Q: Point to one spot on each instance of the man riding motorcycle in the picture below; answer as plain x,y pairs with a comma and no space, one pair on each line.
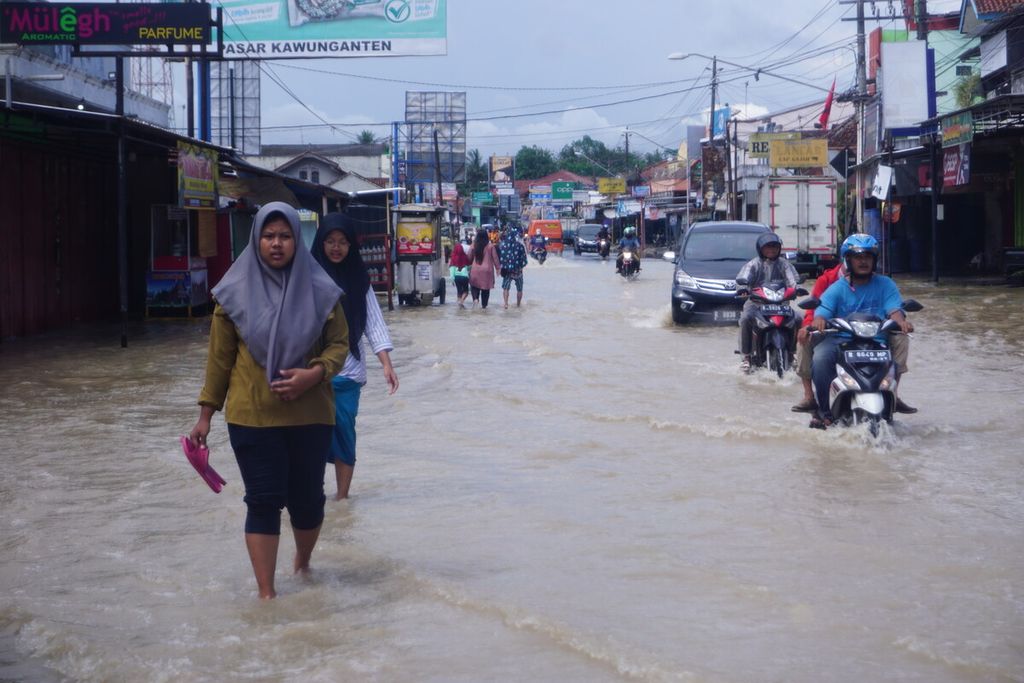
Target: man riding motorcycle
538,242
630,243
767,267
862,290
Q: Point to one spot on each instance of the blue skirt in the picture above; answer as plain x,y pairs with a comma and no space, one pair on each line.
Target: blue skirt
346,407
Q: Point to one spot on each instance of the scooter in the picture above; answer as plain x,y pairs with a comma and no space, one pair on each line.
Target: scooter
774,325
630,268
864,389
604,245
541,254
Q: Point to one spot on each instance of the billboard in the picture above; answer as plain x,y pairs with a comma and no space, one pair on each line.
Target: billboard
435,123
611,185
760,143
197,177
904,80
100,23
281,29
502,170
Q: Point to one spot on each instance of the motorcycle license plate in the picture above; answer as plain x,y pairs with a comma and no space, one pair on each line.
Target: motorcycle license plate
723,314
868,356
772,309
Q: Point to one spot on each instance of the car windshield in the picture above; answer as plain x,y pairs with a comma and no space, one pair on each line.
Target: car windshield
588,232
720,246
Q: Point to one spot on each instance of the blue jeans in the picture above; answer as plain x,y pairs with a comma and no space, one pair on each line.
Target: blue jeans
823,371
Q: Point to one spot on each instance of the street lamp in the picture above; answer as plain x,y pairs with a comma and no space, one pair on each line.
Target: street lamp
576,150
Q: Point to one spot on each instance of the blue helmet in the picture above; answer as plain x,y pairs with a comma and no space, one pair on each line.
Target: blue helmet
858,243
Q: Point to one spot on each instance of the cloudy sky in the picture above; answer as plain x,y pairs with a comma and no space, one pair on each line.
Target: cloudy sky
538,72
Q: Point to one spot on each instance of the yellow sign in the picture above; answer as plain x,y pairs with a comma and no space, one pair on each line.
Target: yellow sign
415,238
798,153
759,143
611,185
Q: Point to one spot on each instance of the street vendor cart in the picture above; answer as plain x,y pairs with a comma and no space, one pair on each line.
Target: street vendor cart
419,256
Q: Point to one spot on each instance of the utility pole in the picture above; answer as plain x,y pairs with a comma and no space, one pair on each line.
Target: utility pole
711,129
862,93
728,165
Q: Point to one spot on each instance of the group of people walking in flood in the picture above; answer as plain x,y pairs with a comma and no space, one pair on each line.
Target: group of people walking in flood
286,363
475,266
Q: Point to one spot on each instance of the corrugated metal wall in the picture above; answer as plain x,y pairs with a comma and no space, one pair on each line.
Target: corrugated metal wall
58,264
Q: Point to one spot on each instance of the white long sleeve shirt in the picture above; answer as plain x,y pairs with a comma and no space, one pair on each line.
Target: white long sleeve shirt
376,333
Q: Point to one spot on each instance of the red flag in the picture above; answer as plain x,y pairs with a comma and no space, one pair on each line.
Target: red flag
823,121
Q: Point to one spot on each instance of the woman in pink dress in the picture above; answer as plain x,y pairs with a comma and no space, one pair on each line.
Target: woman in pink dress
483,268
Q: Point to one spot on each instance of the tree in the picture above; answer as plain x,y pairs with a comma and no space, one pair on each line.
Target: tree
968,90
476,173
534,162
366,137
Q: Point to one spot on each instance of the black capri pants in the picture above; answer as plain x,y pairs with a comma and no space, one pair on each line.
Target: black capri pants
282,467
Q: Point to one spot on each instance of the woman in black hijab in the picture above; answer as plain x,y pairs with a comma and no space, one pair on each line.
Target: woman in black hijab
336,248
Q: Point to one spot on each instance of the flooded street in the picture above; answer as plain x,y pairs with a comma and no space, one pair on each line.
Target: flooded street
572,491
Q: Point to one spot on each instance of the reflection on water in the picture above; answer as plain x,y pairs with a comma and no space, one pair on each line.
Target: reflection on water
576,490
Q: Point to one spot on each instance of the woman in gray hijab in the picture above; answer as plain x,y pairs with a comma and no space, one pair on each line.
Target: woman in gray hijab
277,337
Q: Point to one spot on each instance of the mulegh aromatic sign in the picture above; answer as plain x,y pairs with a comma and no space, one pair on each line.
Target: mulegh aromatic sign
93,23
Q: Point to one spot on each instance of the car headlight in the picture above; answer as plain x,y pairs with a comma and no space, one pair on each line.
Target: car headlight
684,280
865,329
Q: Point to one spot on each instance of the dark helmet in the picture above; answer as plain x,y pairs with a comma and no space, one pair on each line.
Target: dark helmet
859,243
766,239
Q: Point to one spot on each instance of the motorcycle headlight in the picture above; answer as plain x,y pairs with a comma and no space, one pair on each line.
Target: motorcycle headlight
865,329
684,280
772,295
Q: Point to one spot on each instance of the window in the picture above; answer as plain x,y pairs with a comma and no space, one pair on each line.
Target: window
302,175
963,71
315,176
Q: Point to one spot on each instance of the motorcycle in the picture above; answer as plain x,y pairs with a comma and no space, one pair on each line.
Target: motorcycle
864,389
539,253
604,245
630,268
775,325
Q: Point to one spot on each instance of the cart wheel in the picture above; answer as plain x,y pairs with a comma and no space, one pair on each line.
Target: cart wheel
440,293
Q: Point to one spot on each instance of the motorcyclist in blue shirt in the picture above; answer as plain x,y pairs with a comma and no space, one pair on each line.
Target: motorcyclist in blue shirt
538,242
864,291
629,242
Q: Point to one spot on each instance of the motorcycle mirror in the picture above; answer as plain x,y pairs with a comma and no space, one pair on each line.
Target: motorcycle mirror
669,256
800,291
912,306
809,304
741,281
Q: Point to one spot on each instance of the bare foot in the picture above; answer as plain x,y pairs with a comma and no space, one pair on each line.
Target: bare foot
506,307
340,497
269,596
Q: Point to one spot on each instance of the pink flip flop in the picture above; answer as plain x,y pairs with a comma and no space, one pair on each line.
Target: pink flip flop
199,458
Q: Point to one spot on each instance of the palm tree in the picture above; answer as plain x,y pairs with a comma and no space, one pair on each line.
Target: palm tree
366,137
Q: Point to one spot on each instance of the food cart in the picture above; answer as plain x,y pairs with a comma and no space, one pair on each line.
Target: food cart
419,256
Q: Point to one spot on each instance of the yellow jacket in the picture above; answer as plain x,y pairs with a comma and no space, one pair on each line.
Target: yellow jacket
233,374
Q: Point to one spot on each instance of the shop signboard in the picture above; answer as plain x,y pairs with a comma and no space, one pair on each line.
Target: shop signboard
415,238
282,29
641,190
562,190
611,185
760,146
957,129
483,197
101,23
197,177
798,153
956,165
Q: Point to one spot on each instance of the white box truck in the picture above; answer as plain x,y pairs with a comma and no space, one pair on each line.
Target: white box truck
802,211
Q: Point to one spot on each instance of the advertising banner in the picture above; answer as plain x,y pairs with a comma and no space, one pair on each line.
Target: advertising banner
197,177
956,165
611,185
280,29
483,197
415,238
882,182
798,153
957,129
641,190
100,23
562,190
501,170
